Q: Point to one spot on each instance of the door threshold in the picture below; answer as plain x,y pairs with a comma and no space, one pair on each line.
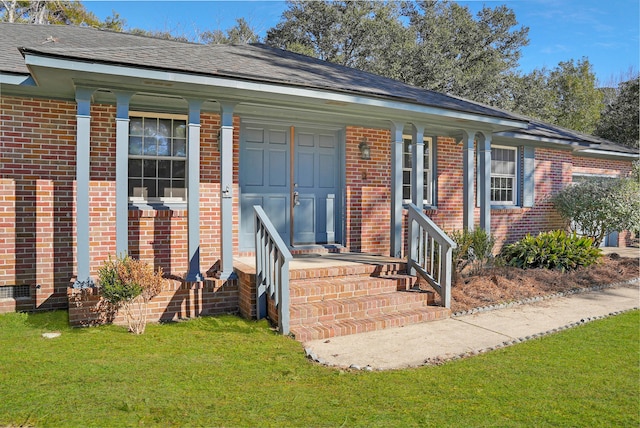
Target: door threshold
315,249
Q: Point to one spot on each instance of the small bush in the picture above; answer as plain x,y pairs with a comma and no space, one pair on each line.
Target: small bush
475,248
552,250
129,284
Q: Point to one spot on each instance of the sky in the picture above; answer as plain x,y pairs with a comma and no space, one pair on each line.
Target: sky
605,31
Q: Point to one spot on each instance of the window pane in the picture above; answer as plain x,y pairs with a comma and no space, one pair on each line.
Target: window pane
179,148
150,168
135,167
164,169
179,169
135,145
135,126
150,127
150,146
164,188
151,185
133,184
179,129
406,192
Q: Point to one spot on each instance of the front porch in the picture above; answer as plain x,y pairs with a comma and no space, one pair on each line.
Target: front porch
340,293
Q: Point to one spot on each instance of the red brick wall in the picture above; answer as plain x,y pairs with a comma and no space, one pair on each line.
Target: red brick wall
37,183
585,165
177,301
37,200
552,173
368,191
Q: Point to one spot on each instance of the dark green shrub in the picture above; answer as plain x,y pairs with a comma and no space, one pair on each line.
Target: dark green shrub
552,250
475,249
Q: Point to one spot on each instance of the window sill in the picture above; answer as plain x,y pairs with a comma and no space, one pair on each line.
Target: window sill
141,209
506,208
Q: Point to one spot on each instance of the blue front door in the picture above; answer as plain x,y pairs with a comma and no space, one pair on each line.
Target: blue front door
297,184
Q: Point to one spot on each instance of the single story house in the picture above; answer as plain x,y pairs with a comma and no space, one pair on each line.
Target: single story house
113,143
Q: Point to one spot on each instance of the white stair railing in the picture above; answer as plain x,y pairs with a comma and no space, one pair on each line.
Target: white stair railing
430,253
272,270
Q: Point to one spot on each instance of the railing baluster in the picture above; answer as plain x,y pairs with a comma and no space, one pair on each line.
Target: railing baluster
432,257
272,270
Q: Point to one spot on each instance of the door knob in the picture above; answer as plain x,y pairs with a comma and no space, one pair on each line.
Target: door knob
296,198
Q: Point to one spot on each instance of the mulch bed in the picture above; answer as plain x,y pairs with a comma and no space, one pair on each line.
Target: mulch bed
508,284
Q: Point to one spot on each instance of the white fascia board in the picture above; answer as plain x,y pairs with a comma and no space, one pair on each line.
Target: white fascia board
518,136
596,152
267,88
17,79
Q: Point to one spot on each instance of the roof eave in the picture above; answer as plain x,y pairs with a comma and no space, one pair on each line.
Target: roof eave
37,59
16,79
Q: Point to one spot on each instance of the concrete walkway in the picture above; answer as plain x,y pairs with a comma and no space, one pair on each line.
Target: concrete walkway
437,341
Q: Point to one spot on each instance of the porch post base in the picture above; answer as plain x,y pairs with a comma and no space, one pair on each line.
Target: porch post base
226,275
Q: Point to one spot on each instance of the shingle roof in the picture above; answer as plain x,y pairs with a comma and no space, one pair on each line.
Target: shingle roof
246,62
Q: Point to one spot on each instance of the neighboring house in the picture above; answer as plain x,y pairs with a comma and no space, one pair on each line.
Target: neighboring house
115,143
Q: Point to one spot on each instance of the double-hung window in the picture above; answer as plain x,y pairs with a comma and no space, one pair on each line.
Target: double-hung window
157,158
407,166
504,175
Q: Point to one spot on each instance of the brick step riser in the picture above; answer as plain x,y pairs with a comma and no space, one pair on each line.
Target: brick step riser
319,290
329,330
341,271
338,310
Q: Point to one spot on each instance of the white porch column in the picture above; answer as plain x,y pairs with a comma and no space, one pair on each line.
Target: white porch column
484,193
396,189
468,138
122,172
83,176
226,191
193,196
417,166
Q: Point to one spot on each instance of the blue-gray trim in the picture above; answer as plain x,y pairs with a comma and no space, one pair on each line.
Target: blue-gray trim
528,182
122,172
83,176
226,190
193,195
396,189
484,192
467,173
417,170
434,171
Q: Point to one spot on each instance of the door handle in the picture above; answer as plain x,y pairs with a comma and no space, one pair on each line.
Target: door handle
296,198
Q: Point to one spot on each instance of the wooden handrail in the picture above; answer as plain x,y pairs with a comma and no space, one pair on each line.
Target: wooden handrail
430,253
272,270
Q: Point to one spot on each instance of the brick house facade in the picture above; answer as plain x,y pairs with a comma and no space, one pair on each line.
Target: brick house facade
39,175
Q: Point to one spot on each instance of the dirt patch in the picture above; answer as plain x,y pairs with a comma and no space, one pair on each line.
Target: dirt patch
508,284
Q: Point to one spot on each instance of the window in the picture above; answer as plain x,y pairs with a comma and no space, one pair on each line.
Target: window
157,158
504,175
407,167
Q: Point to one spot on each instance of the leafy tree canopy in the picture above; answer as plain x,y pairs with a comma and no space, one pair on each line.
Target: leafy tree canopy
63,12
566,95
621,117
241,33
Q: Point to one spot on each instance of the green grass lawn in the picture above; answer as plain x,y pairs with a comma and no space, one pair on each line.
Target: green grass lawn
231,372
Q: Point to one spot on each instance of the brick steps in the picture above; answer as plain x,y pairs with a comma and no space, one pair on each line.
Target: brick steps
379,322
358,307
351,298
344,287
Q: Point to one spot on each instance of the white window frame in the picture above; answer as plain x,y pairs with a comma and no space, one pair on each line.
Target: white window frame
515,176
427,168
142,198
